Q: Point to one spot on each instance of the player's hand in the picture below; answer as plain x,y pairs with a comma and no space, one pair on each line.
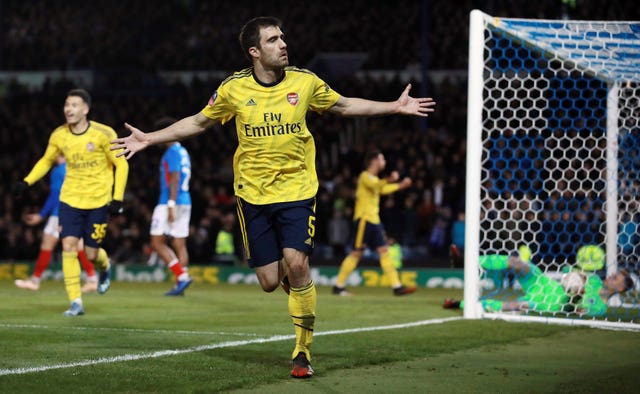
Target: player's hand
33,219
116,207
394,176
408,105
128,146
19,188
406,182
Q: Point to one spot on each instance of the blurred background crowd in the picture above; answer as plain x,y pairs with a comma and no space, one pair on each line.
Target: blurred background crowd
143,60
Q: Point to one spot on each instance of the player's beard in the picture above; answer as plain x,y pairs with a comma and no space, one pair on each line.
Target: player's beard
282,60
279,64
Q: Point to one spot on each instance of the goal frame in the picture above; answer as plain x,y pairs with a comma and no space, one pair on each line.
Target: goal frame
476,83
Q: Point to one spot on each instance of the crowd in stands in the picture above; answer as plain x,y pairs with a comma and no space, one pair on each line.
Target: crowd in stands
200,35
125,44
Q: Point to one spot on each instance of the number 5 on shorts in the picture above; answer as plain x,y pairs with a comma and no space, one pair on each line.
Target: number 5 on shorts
312,226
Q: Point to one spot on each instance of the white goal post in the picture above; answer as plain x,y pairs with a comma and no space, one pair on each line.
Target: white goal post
553,163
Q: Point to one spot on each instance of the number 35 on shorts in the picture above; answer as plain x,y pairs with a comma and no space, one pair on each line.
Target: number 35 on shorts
99,232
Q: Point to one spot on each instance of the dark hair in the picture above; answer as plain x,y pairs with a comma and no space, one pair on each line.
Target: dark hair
371,156
163,123
250,32
628,280
83,94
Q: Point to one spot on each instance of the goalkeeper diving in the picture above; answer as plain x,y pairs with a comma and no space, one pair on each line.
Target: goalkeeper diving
545,294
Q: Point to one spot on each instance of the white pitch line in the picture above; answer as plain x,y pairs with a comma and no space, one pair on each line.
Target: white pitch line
164,353
390,327
154,331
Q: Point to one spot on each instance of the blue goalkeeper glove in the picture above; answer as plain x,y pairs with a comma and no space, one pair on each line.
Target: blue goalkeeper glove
116,207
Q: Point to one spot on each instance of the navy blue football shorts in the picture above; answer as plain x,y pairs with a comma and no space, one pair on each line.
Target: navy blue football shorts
88,224
367,235
267,229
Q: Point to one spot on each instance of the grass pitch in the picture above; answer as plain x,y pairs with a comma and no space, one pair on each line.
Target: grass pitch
236,338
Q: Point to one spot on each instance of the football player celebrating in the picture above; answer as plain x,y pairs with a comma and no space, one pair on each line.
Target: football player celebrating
88,193
275,178
51,235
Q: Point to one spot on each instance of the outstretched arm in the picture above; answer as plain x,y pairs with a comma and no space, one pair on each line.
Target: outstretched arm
43,165
395,186
404,105
137,141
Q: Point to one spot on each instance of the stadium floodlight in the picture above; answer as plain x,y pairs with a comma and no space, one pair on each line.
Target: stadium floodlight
553,156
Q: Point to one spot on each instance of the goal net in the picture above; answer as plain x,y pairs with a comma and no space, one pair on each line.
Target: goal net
553,171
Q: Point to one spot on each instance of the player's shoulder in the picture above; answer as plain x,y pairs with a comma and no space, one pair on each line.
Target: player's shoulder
304,77
63,128
300,71
182,149
238,76
103,129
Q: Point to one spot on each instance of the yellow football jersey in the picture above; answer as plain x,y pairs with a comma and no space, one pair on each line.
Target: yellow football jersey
275,158
368,192
89,180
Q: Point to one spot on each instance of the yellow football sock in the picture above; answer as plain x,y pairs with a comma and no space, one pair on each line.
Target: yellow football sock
71,271
102,260
386,262
302,308
346,268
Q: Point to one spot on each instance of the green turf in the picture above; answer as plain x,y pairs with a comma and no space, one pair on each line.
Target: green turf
136,320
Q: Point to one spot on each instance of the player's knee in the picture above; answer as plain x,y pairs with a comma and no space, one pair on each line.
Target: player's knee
268,279
298,268
69,246
297,262
268,286
157,243
92,253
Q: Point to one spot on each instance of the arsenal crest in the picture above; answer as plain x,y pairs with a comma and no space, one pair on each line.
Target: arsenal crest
90,146
292,98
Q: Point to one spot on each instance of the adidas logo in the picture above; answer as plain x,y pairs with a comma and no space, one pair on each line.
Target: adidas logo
251,102
309,241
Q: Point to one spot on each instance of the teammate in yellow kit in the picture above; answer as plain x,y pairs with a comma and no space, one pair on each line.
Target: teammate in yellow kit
275,178
368,231
51,234
86,197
